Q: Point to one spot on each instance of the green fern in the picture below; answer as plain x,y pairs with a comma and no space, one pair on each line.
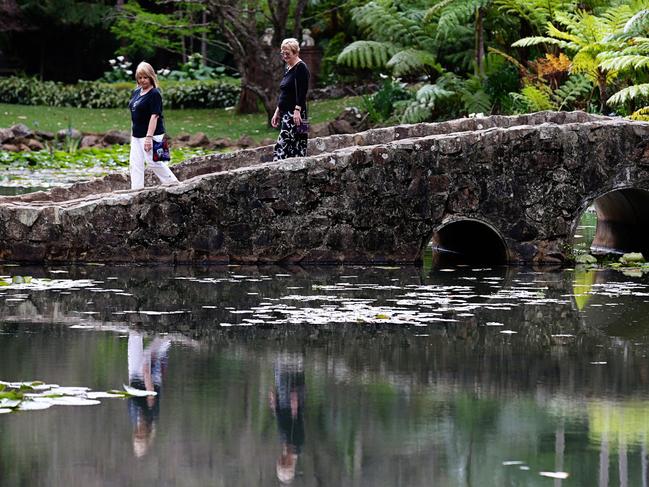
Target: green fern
411,60
427,98
536,40
367,54
533,99
567,94
473,96
629,93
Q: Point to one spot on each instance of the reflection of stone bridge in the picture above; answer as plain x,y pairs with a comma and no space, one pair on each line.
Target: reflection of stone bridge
511,187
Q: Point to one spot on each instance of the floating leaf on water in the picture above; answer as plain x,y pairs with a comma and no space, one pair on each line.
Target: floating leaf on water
512,462
101,395
34,405
9,403
555,475
66,401
382,316
138,392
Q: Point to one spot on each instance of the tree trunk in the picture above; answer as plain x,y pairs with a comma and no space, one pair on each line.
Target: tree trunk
204,39
260,66
601,84
479,43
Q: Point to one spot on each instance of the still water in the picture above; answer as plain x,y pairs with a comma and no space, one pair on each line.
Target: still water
383,376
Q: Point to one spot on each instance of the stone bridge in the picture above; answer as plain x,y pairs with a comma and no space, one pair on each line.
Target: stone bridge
508,189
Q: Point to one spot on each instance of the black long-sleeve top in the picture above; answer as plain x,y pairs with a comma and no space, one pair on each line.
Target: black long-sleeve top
293,88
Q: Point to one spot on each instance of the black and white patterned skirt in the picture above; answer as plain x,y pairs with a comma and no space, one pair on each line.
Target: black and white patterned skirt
289,142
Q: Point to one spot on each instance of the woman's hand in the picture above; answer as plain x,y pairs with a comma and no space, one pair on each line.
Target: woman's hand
275,120
297,117
148,144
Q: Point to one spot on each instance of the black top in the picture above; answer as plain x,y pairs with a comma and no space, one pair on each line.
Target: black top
142,107
293,88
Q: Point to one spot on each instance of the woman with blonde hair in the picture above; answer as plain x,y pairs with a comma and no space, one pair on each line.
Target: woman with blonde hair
147,126
291,104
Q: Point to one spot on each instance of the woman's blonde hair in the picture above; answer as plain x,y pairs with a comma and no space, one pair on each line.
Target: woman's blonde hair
292,44
145,69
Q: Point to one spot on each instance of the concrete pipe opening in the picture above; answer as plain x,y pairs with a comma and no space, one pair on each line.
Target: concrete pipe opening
621,221
467,242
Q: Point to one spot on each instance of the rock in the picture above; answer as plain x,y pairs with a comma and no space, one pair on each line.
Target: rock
34,144
341,127
68,133
44,135
91,141
183,137
116,137
199,139
21,130
220,143
245,141
11,147
320,130
5,135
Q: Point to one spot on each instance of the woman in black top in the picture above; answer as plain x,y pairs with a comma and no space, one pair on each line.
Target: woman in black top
147,126
291,103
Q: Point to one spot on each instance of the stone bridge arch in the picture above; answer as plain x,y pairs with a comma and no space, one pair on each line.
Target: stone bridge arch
622,220
372,197
468,240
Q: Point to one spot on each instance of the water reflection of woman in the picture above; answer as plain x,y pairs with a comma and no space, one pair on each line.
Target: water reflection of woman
146,367
287,403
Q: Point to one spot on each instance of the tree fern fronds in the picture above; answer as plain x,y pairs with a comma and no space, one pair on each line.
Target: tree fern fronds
559,34
383,22
411,60
437,8
416,113
584,62
429,94
637,24
367,54
630,93
476,100
575,87
623,63
533,41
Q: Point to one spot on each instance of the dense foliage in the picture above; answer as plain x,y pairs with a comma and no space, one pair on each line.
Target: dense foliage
88,94
506,56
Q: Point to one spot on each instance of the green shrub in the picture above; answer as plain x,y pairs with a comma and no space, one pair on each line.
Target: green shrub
93,94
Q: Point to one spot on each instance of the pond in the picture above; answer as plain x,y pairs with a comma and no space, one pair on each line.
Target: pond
377,376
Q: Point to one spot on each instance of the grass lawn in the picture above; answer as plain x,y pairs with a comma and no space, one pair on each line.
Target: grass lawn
216,123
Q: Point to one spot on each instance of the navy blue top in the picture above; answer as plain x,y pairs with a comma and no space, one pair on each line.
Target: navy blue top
142,107
293,88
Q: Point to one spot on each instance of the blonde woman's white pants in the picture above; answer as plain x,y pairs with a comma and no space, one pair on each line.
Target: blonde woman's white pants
139,158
